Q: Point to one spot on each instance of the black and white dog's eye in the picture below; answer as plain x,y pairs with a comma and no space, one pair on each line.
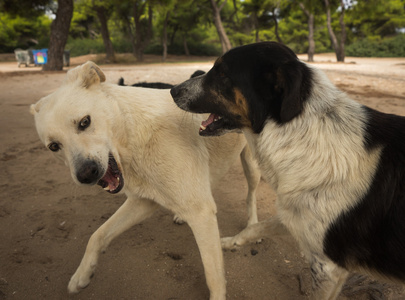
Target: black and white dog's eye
84,123
54,147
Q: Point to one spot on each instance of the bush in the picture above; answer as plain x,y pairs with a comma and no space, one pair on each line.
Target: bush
198,49
371,47
79,47
19,32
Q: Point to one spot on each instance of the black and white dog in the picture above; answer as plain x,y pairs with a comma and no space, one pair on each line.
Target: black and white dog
338,167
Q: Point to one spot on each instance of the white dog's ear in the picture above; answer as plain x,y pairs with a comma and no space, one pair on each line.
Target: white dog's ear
86,74
34,108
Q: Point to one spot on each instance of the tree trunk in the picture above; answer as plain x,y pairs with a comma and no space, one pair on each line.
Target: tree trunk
165,36
131,35
185,45
343,37
225,43
276,26
109,50
59,35
336,47
311,41
256,21
138,32
141,39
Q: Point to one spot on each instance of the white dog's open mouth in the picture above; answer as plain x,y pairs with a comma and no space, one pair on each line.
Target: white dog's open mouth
112,182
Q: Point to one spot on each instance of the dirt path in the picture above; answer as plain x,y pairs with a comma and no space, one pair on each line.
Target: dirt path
46,220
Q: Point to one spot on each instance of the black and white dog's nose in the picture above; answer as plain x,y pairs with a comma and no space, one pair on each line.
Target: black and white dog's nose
176,91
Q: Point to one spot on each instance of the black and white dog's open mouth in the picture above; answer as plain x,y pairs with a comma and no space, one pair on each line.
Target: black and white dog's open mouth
211,125
112,181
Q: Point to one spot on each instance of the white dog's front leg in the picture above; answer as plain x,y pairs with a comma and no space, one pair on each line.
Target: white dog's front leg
205,229
130,213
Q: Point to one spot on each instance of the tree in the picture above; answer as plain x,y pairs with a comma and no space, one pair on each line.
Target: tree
59,35
137,17
164,35
164,9
26,9
262,13
375,18
216,10
101,8
23,24
339,47
185,17
307,8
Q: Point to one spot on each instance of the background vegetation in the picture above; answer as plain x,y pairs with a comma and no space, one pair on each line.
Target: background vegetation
373,27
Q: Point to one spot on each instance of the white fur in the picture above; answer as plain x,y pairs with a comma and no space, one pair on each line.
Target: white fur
162,158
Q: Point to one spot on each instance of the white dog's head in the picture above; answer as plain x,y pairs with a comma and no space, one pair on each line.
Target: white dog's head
75,123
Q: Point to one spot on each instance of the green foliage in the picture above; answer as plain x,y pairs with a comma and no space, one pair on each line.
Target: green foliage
373,26
21,32
79,47
194,48
376,17
83,19
389,47
27,9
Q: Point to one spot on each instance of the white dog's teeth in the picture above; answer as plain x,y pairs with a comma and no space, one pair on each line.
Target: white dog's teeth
107,188
202,127
118,179
219,118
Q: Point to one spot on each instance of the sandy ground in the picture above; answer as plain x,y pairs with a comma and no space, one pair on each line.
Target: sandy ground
46,220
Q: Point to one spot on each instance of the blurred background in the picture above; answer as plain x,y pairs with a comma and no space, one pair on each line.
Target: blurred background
201,27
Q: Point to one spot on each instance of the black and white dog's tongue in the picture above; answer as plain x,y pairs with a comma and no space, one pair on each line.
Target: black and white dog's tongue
211,119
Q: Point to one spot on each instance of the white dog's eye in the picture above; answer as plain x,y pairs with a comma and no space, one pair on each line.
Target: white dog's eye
84,123
54,147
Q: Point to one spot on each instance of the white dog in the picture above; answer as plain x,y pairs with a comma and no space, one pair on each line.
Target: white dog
137,140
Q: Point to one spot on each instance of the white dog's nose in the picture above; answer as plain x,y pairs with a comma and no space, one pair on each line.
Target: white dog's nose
88,172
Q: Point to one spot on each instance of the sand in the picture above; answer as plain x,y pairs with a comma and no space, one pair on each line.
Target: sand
46,220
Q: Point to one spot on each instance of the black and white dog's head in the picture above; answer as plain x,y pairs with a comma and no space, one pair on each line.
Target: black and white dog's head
247,86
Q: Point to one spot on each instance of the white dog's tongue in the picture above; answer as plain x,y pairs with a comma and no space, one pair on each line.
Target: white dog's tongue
112,181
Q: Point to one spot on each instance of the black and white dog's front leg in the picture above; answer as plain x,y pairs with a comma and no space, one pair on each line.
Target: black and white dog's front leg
255,232
132,212
327,278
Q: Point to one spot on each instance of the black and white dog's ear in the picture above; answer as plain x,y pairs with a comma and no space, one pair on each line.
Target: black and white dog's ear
294,83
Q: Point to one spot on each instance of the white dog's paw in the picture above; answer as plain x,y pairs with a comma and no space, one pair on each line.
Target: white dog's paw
79,281
177,220
229,243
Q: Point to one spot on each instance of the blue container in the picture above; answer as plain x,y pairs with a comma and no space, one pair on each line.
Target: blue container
40,56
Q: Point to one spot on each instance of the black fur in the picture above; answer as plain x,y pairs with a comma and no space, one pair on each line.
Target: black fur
151,85
372,234
197,73
157,85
